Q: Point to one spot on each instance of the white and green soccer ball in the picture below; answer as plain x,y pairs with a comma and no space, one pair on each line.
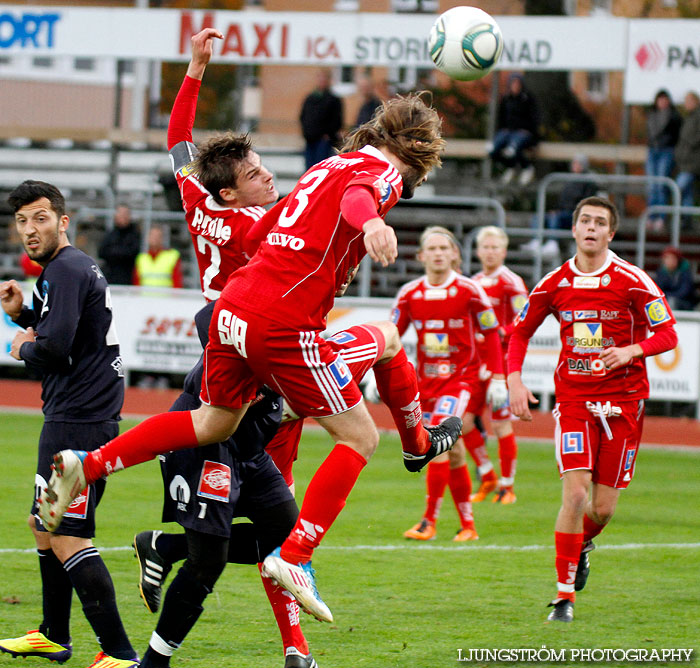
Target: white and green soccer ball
465,43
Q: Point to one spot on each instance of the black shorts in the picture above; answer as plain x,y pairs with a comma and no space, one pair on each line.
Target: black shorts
206,487
79,519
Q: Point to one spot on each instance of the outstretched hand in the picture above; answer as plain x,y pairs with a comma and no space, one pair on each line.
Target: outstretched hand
380,241
11,298
202,51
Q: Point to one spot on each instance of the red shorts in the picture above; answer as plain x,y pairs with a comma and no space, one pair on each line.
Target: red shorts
456,399
580,441
246,350
360,346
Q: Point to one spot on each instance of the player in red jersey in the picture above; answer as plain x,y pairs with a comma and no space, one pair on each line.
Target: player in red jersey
606,307
223,184
266,327
508,295
448,311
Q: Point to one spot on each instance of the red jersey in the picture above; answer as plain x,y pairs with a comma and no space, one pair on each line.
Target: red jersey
615,306
217,231
447,319
310,247
508,294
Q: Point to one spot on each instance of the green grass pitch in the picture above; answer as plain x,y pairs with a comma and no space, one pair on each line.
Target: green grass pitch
398,604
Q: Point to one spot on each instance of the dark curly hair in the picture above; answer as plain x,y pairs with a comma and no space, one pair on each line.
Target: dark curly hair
218,161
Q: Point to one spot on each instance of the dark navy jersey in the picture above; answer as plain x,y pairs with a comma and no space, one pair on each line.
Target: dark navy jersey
76,349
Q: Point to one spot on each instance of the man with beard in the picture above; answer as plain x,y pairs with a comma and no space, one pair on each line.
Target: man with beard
70,340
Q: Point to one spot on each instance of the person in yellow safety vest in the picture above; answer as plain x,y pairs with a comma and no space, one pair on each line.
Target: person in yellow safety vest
158,266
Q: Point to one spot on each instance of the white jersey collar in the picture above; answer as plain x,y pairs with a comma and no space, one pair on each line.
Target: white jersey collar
453,274
374,152
606,264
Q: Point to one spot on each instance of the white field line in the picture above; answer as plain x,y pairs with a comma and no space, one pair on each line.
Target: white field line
433,548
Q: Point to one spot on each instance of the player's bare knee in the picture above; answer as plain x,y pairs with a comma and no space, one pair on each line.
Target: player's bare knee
392,340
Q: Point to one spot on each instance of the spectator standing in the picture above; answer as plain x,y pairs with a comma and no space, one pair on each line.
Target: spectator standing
119,248
687,152
518,123
663,128
159,266
675,278
370,101
321,120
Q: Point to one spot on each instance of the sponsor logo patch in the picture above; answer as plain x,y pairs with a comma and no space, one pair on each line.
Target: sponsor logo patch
436,343
657,312
343,337
587,282
517,302
79,508
588,338
487,320
341,372
585,315
215,481
435,294
566,316
572,442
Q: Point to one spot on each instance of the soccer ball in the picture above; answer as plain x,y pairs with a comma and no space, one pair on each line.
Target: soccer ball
465,43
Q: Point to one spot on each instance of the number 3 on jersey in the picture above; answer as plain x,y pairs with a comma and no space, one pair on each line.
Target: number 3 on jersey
301,199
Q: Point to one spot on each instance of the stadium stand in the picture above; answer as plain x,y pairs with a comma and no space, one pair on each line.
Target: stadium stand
94,179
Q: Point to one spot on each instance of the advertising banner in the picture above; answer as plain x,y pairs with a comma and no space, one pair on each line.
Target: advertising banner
662,53
156,333
310,38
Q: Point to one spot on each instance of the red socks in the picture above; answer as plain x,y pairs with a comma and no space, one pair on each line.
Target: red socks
286,611
154,436
507,453
324,499
474,442
436,480
461,489
590,528
398,388
568,550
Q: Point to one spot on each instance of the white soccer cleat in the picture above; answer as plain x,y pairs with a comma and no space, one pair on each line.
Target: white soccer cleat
66,482
299,581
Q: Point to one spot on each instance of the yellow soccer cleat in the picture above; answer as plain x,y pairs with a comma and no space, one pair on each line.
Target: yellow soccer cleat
424,530
103,660
464,535
37,644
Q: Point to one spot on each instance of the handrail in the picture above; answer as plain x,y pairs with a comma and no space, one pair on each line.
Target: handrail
675,226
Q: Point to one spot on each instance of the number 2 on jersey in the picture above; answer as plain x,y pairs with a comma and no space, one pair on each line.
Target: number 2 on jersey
212,270
301,198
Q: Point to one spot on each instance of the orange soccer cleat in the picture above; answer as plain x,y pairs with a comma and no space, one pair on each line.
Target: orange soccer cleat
504,496
465,534
487,486
424,530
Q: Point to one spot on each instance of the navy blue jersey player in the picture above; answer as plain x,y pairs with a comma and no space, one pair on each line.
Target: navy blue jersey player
70,341
205,488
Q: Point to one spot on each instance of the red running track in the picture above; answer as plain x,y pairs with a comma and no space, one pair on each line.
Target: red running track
26,395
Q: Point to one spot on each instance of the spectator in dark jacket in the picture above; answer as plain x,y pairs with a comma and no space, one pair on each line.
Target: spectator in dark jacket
321,120
119,248
675,278
663,127
688,149
517,130
370,101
